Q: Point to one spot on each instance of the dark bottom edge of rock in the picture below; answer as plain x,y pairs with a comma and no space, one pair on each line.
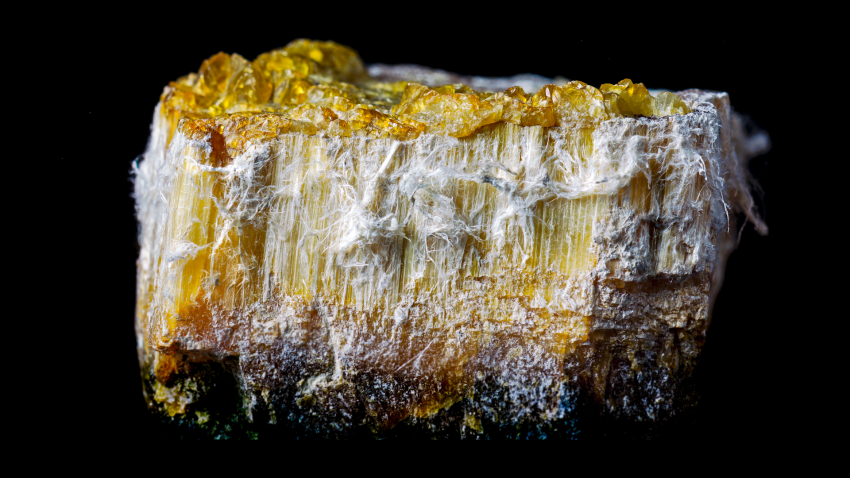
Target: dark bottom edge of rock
221,413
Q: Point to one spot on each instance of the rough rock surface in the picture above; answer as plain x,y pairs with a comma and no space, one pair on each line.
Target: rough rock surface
333,251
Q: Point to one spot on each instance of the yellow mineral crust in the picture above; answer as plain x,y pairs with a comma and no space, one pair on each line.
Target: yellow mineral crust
433,234
324,80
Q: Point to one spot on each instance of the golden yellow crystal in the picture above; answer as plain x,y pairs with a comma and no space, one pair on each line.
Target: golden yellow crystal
388,250
323,75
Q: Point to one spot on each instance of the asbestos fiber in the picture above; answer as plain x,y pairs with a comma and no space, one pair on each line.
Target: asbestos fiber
377,252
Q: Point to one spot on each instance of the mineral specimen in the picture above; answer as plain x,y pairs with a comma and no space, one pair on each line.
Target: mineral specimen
333,251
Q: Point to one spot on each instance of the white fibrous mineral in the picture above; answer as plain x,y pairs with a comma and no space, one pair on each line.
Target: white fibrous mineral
330,250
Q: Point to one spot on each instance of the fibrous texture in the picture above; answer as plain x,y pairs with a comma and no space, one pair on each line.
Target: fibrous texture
343,251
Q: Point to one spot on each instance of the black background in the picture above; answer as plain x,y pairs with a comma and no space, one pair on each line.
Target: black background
116,74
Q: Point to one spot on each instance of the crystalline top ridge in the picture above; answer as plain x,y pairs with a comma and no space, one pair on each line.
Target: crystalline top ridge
326,84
